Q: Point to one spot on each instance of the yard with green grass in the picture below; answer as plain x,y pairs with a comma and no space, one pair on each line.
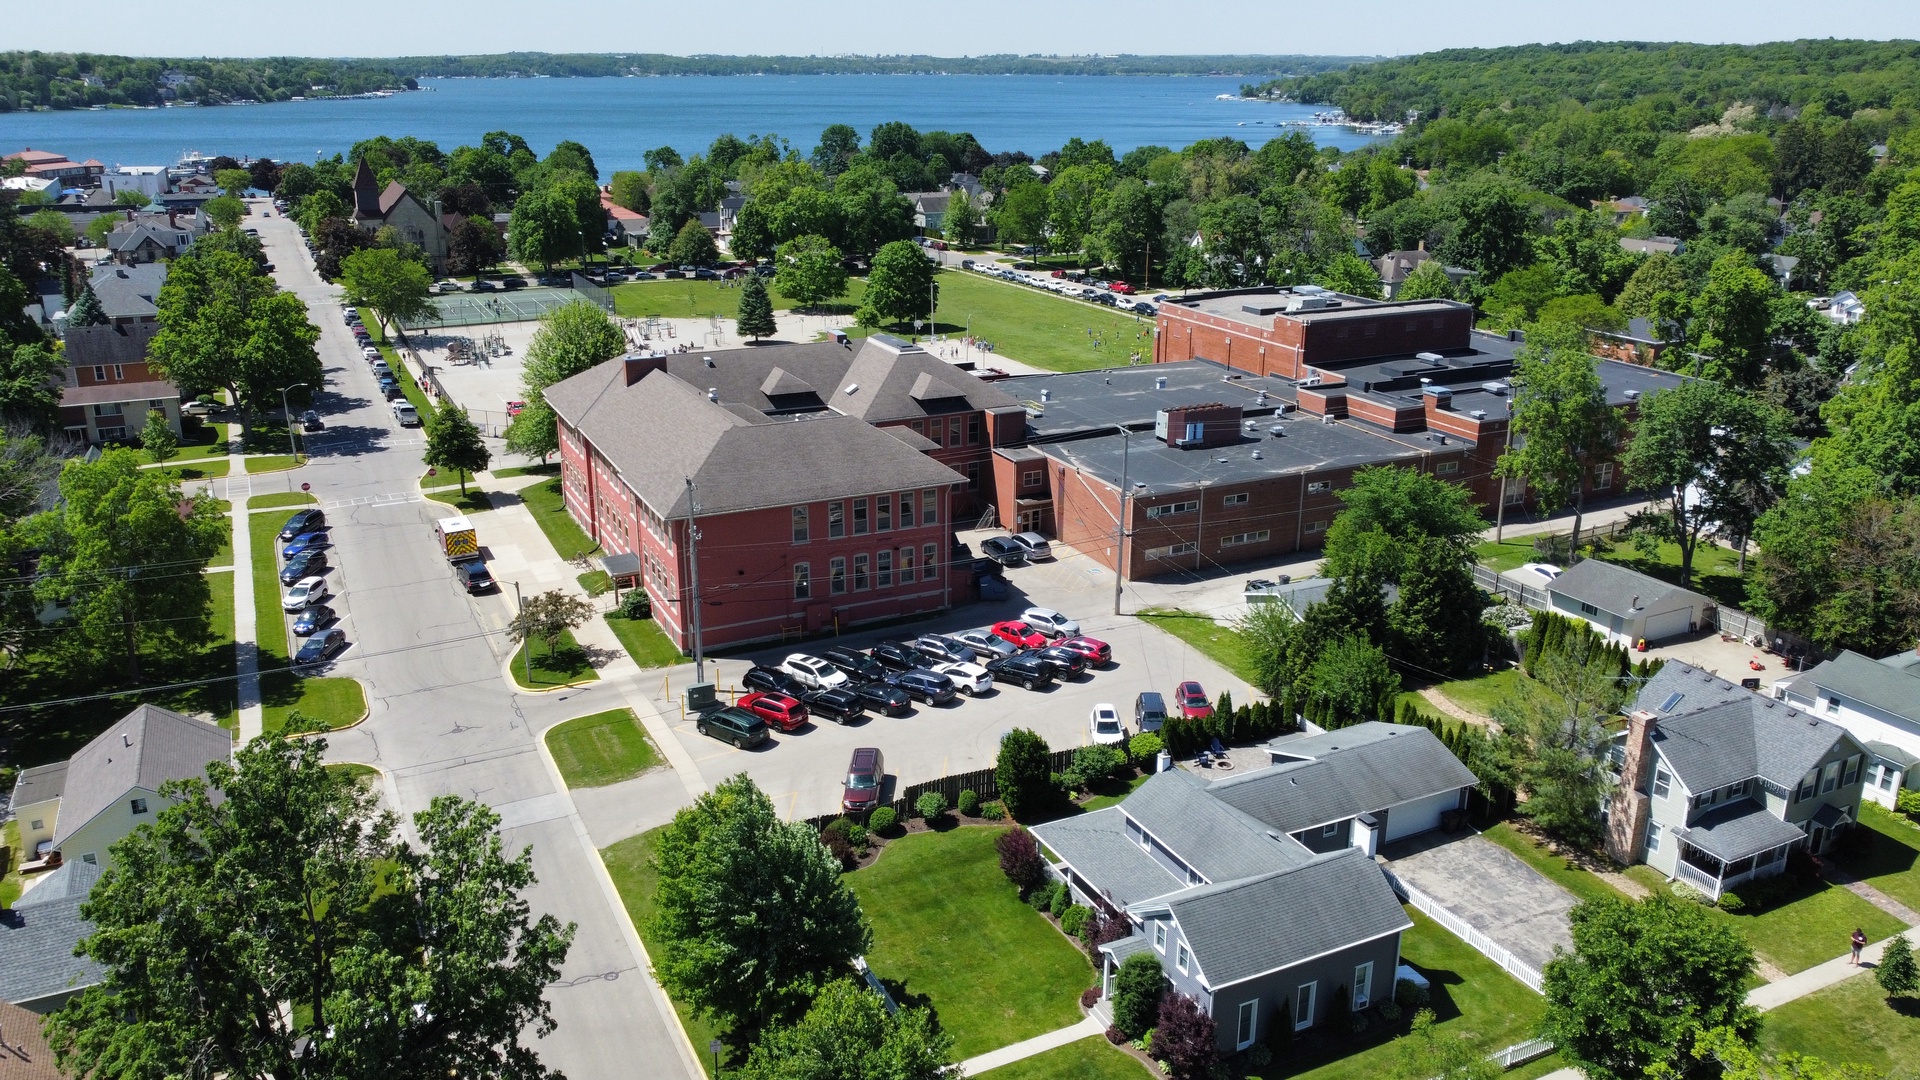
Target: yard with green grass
280,498
1510,554
948,926
1847,1023
203,469
1889,858
566,664
645,642
601,749
1039,328
629,864
1716,569
472,502
200,441
688,298
1794,936
1220,643
10,873
335,701
1089,1059
1482,692
550,469
364,775
269,620
549,509
271,463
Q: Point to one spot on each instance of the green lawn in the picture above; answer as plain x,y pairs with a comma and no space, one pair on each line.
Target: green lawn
204,469
949,927
1716,569
1891,859
269,621
1089,1059
1850,1022
472,502
601,749
1556,868
1482,692
1471,997
550,469
280,498
645,641
365,775
1116,795
271,463
1039,328
1510,554
567,663
629,863
201,441
335,701
407,385
686,298
1222,644
1797,935
224,556
549,511
10,873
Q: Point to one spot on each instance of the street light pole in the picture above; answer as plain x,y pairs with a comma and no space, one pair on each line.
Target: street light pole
286,413
526,643
1500,509
1120,526
693,597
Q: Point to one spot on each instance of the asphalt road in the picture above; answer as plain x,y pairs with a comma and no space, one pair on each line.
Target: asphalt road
444,720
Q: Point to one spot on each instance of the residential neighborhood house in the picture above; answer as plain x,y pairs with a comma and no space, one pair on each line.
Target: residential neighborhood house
1626,606
1878,702
38,971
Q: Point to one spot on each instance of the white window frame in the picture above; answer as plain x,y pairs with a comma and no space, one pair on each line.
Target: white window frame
1330,828
1362,985
1319,487
1662,781
837,576
883,568
1315,528
1238,498
1446,468
1653,836
801,532
1303,1003
802,581
929,508
1603,476
1180,957
929,562
1171,509
1246,1020
1160,936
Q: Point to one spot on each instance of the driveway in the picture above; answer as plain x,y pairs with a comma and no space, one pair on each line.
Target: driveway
1487,887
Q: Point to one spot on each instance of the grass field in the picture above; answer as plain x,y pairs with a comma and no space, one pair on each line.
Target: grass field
1891,861
948,926
269,622
1797,935
601,749
224,556
629,864
1849,1023
10,873
201,441
203,469
645,642
686,298
1510,554
567,663
1039,328
1482,692
1222,644
333,700
549,510
366,775
549,469
1716,569
1088,1059
472,502
280,498
271,463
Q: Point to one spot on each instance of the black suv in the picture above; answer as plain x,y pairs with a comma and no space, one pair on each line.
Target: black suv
857,665
302,522
924,685
1024,668
1066,663
898,656
1003,551
773,681
473,576
884,698
736,726
305,565
838,704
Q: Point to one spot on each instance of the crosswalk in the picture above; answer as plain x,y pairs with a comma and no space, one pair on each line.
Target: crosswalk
390,498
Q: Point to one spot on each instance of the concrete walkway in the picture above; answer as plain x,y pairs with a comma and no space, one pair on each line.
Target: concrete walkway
246,642
1039,1044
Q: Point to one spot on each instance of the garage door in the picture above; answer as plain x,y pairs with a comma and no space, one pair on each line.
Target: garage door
1420,815
1668,624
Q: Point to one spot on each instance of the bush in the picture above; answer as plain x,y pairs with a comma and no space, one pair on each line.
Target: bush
1258,1056
1074,919
970,803
1389,1012
841,849
1143,747
1410,995
1091,765
1136,993
1908,802
1062,900
994,811
1020,859
1730,902
1089,997
1044,897
1184,1038
837,827
1021,772
881,820
1115,1035
931,805
857,834
636,605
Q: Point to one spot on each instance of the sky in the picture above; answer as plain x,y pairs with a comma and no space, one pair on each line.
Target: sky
810,27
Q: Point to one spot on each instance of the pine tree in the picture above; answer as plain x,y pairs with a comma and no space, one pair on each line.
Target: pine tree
756,309
86,310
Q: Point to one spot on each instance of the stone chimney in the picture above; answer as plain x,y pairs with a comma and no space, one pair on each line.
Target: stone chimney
638,366
1627,817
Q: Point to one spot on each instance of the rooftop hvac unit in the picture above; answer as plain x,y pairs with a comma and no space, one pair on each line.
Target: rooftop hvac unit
1160,382
1430,357
1046,394
713,393
1633,395
1478,414
1311,381
1498,388
1257,455
1277,431
1327,419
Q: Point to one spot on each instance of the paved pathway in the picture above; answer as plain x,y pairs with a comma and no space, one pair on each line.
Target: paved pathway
1039,1044
246,647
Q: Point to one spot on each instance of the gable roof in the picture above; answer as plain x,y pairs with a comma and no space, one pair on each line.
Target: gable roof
24,1053
1096,845
366,192
1891,684
147,748
1219,841
1679,687
129,292
1727,743
1739,829
1613,588
38,936
1341,773
123,343
38,784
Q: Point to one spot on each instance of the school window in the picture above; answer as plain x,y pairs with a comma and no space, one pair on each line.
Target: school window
1172,550
836,527
1362,985
802,581
906,565
929,510
1319,487
860,564
1170,509
883,513
929,569
119,373
906,509
91,858
953,432
1314,527
1031,478
1236,500
936,430
1447,468
1180,957
883,568
919,427
973,476
973,430
139,806
859,517
1160,936
1303,1006
1237,539
799,524
1662,782
836,576
1603,476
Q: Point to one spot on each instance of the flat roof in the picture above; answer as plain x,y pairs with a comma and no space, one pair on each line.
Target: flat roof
1309,445
1073,403
1264,303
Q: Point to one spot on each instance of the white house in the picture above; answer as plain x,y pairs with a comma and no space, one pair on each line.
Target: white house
1625,605
1878,701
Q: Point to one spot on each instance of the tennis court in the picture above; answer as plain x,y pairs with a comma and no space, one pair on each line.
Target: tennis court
474,309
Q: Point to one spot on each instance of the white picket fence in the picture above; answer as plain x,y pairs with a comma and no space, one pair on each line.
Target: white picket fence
1521,1053
1460,928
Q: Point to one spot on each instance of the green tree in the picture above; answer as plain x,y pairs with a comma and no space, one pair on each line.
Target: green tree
1352,678
1733,1055
30,380
1349,273
572,338
961,220
1022,772
1561,410
473,245
847,1034
394,287
1020,215
55,224
693,246
630,191
1708,454
1517,296
751,911
130,199
1428,1053
225,211
1429,281
1585,250
1555,735
1840,561
157,437
1732,321
899,288
1492,227
224,324
112,553
454,443
545,228
1896,973
756,309
234,182
546,616
808,269
1644,980
271,923
1136,994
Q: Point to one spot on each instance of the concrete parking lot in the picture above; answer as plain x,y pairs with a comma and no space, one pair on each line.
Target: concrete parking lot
1490,889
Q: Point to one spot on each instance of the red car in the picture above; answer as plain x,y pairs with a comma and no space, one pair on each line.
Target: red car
1192,701
1020,634
1097,652
1058,274
781,711
1122,288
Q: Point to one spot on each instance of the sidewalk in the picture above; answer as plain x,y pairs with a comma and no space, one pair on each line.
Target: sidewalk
246,646
1039,1044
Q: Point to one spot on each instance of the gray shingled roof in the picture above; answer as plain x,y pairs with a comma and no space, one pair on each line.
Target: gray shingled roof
1352,770
1612,588
887,369
1726,743
128,292
781,383
38,936
1737,830
659,431
1894,754
1245,928
1097,847
1895,689
147,748
40,783
1696,688
1218,840
125,344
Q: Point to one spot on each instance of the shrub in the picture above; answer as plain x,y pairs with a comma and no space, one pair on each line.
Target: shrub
1184,1038
970,803
1389,1012
1115,1035
1089,997
994,811
1730,902
1062,900
1340,1009
1897,973
1357,1023
1258,1056
931,805
1908,802
1101,929
1021,772
881,820
1091,764
1136,993
1044,897
1020,858
636,605
1410,995
836,827
1145,746
857,834
838,845
1074,919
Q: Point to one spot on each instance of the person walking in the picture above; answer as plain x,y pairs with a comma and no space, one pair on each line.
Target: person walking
1859,942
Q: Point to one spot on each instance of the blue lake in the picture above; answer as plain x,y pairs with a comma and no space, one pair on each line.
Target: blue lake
620,119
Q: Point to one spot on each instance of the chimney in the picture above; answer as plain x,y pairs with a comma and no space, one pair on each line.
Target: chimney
126,739
638,366
1627,819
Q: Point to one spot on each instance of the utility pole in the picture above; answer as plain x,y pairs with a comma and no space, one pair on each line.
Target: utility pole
693,572
1120,527
286,414
1500,500
526,641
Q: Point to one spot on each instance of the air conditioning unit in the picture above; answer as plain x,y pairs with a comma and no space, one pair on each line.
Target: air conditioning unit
1430,357
1633,395
1478,414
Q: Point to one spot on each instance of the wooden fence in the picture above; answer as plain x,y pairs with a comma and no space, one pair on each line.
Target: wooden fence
980,781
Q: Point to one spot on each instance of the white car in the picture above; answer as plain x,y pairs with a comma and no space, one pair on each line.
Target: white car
813,671
368,352
305,593
1050,622
1538,573
969,679
1104,726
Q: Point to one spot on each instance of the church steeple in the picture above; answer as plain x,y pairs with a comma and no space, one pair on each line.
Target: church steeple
366,192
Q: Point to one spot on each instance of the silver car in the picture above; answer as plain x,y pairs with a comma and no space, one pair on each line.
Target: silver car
1036,545
986,644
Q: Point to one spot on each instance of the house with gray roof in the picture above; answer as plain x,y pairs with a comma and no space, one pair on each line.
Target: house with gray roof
38,970
1716,784
1626,606
1258,894
1878,701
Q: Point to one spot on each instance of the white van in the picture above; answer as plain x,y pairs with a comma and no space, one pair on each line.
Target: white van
404,412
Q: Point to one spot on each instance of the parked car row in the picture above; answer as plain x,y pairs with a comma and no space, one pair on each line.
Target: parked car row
303,546
1111,293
